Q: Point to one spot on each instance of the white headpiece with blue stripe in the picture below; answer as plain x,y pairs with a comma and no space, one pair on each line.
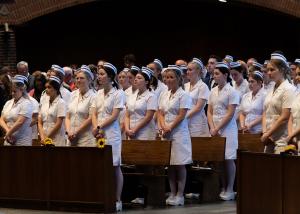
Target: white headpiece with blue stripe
111,66
235,64
175,67
259,74
222,65
54,78
147,71
159,63
279,57
87,70
135,68
198,62
297,61
58,69
256,64
20,79
229,58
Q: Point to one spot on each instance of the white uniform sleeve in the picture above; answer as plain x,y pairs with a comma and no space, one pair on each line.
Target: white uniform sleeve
152,103
234,98
35,105
91,104
203,92
185,101
26,108
61,110
209,101
243,102
5,107
288,98
119,100
161,98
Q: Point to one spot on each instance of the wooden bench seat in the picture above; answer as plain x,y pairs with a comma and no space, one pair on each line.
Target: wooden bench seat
154,155
208,149
250,142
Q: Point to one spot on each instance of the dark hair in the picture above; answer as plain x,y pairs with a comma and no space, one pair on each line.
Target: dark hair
218,59
112,75
130,59
93,69
133,72
55,85
38,92
256,77
7,86
225,71
253,68
147,79
151,82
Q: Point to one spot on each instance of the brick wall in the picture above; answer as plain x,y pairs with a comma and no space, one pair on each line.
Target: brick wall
8,48
24,10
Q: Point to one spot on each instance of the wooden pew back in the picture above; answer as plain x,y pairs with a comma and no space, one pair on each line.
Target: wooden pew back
208,148
250,142
146,152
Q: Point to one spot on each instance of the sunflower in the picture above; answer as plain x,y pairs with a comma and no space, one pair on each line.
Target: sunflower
48,142
101,139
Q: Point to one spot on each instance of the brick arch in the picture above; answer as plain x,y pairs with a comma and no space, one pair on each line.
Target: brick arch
25,10
22,11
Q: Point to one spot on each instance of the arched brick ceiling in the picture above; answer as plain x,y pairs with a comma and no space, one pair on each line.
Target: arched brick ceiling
21,11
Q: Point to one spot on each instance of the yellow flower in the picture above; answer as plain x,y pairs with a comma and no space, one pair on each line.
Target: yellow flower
48,142
101,143
101,140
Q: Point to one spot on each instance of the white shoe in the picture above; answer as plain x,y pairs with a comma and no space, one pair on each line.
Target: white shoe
170,198
222,193
177,201
228,196
118,206
138,201
192,195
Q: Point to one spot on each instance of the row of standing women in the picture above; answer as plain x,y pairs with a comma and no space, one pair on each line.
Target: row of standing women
148,107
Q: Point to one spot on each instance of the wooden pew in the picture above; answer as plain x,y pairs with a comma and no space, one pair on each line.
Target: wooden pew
78,179
149,153
250,142
208,149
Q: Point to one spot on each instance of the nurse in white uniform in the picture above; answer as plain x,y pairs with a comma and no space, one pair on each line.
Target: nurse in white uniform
173,107
278,103
131,90
252,103
156,66
294,123
79,115
268,84
139,123
52,114
199,93
106,109
222,104
17,114
59,72
239,82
